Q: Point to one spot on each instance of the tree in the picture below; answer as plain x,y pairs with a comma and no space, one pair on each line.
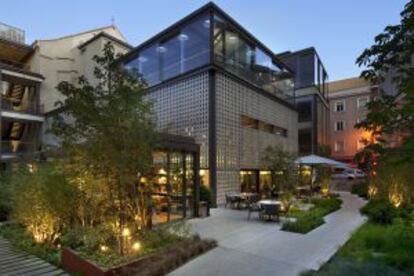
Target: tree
107,136
282,165
392,54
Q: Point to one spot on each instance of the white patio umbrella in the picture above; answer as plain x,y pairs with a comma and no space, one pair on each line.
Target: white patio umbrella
312,160
318,160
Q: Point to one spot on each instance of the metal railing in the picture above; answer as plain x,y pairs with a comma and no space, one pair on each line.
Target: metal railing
16,147
12,33
30,108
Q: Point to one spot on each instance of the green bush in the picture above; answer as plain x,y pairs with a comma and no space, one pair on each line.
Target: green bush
206,194
379,211
329,205
22,240
309,220
44,201
360,189
305,222
345,267
392,245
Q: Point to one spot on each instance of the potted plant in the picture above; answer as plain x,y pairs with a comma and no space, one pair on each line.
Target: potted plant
205,201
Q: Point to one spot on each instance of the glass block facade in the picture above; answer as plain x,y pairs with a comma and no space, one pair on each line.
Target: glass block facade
239,147
182,108
212,80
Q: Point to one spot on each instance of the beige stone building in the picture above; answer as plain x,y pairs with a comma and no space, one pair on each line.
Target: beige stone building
69,57
29,75
348,99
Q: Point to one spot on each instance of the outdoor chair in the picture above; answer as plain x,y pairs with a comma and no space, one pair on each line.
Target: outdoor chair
254,206
270,211
232,201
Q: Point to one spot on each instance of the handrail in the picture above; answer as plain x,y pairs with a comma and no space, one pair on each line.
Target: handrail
30,108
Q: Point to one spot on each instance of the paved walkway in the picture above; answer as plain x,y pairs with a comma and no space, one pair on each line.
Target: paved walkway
261,248
13,262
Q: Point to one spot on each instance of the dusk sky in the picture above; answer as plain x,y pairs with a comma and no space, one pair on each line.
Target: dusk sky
339,30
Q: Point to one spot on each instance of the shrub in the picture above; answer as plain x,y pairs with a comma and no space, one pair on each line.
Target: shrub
392,245
329,205
206,194
22,240
43,201
379,211
360,189
305,222
342,266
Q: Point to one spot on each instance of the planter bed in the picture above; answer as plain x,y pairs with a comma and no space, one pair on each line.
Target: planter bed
306,221
158,263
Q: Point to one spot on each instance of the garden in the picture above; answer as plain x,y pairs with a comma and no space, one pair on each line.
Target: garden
88,206
384,245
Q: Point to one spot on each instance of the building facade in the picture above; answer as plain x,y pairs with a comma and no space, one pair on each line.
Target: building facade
29,76
348,99
21,115
311,99
69,57
212,80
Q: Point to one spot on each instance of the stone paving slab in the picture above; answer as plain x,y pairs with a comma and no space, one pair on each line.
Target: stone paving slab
260,248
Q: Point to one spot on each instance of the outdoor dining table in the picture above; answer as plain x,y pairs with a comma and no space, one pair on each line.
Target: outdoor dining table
269,202
241,197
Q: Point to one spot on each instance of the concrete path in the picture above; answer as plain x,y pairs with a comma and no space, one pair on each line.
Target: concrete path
13,262
261,248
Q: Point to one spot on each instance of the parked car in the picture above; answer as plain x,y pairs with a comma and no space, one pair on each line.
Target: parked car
347,173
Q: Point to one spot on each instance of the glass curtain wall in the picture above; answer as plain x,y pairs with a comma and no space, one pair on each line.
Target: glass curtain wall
183,50
236,53
174,186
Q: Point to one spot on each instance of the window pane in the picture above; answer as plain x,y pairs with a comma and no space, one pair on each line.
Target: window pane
195,39
147,64
170,52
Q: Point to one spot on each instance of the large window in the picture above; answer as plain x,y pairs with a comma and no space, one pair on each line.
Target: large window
147,64
239,55
185,49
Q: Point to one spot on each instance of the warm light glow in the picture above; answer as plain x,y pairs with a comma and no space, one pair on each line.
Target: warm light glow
126,232
264,172
104,248
325,191
39,238
396,199
372,190
202,172
136,246
162,171
30,167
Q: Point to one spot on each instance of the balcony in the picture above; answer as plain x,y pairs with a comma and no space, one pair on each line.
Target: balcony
16,147
28,108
